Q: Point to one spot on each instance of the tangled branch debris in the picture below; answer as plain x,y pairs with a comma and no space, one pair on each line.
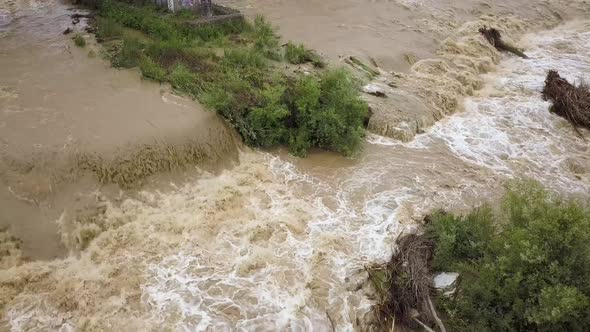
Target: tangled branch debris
361,66
403,286
569,101
494,37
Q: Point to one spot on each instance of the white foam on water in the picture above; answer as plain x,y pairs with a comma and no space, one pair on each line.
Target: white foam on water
375,139
303,268
265,286
510,129
266,247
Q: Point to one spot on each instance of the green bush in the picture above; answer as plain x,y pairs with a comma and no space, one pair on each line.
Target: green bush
108,28
152,70
226,66
184,80
268,122
330,111
526,268
265,39
128,54
79,40
243,58
298,54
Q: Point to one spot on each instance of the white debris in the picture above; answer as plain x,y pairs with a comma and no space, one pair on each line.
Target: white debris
374,89
445,280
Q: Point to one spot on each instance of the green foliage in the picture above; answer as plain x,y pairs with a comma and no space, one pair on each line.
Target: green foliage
265,39
151,69
142,18
128,54
79,40
298,54
243,58
267,122
184,80
460,238
529,272
154,24
108,28
330,111
226,66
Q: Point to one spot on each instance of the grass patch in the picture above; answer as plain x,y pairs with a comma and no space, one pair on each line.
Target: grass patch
183,79
127,54
151,69
298,54
79,40
107,28
232,68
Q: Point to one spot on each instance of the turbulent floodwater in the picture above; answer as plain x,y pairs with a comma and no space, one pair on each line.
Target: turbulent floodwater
59,103
279,243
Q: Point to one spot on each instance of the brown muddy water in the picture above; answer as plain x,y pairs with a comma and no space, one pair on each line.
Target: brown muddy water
61,106
270,242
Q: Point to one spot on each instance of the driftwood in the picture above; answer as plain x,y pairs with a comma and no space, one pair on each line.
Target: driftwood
403,285
569,101
494,37
361,66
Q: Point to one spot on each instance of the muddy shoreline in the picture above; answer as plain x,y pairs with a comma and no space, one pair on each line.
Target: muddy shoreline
71,125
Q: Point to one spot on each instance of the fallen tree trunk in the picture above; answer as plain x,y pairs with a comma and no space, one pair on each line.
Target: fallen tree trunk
569,101
494,37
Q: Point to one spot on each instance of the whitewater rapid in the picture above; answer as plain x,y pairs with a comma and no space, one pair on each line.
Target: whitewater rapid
506,128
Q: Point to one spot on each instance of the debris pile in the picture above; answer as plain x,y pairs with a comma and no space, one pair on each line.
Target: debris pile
494,37
403,286
569,101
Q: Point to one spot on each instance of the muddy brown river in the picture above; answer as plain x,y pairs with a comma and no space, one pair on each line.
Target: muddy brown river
251,240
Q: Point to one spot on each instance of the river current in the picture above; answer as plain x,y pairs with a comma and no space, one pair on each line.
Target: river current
280,243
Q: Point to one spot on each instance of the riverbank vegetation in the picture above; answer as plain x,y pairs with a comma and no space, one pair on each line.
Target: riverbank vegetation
238,69
79,40
524,268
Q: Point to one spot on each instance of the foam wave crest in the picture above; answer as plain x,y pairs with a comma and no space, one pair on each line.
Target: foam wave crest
508,127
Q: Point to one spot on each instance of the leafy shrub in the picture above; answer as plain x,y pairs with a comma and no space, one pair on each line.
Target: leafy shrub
267,122
79,40
265,39
128,54
330,111
184,80
108,28
152,70
460,239
243,58
531,271
298,54
226,66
